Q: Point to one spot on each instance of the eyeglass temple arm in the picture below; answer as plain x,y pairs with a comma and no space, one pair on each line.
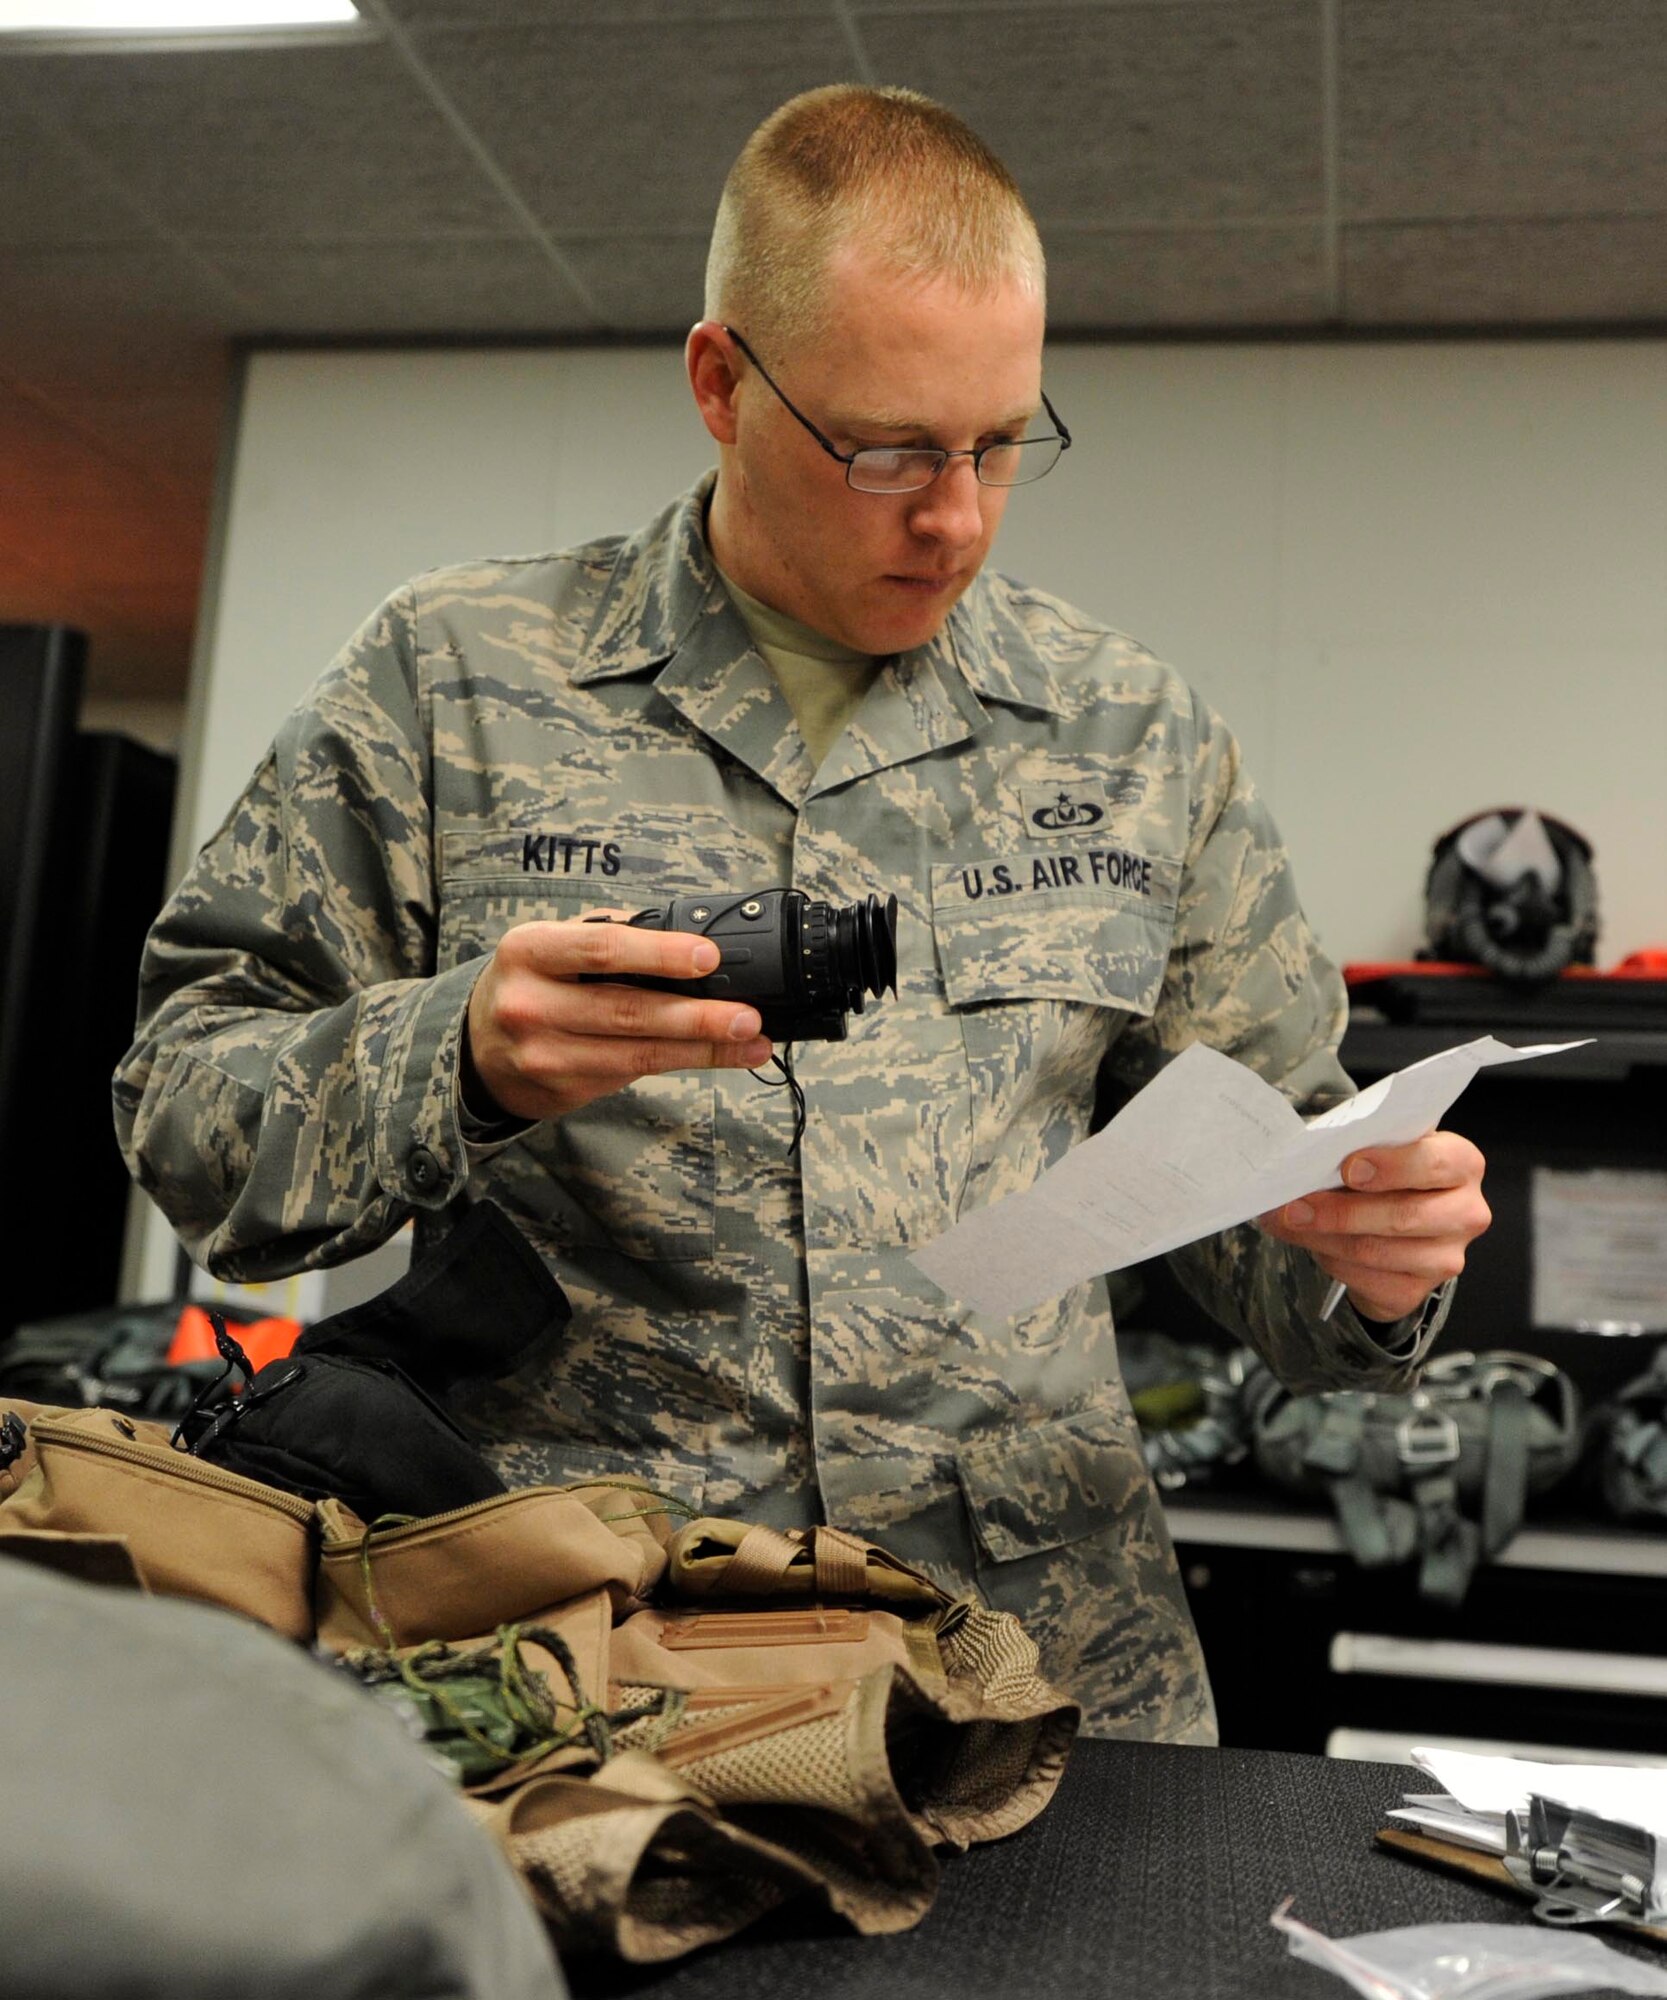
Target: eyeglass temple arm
1058,422
826,442
776,389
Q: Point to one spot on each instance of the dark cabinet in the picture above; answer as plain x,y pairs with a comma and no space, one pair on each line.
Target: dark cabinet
1563,1643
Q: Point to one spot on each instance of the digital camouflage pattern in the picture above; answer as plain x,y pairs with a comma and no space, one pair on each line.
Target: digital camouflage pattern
1083,875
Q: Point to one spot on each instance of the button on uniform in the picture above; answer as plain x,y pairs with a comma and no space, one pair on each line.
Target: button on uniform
422,1171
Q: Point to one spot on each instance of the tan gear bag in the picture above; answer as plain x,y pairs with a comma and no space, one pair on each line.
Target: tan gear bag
187,1529
670,1733
741,1739
505,1560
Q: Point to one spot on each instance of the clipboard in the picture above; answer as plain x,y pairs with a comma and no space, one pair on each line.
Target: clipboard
1490,1868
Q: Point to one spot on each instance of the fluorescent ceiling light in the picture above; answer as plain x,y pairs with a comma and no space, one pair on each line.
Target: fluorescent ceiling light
169,17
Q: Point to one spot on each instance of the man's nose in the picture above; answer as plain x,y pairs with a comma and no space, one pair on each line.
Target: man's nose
950,510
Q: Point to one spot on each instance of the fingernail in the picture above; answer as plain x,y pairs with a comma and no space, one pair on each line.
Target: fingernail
743,1027
706,956
1297,1213
1362,1173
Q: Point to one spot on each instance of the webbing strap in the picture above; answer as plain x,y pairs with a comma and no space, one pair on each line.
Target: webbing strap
1645,1451
1376,1529
759,1563
841,1563
1450,1543
1505,1486
1335,1445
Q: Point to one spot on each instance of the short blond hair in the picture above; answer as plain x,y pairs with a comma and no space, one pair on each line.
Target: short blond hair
911,178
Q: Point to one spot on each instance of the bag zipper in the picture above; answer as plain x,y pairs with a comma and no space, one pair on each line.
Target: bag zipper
415,1531
56,1431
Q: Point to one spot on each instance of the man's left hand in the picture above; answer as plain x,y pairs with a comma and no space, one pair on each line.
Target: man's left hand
1400,1225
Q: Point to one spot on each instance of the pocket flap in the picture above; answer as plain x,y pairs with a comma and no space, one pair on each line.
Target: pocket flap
998,937
1041,1487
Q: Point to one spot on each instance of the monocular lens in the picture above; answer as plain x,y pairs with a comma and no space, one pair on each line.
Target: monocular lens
864,947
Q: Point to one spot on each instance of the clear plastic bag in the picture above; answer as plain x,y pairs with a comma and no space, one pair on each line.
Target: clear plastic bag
1470,1961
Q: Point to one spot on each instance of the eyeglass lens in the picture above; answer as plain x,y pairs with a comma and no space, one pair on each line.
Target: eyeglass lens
888,469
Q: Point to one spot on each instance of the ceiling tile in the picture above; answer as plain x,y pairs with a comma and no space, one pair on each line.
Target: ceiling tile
437,285
287,142
606,127
174,433
643,284
1503,107
95,543
116,547
1507,273
46,196
949,13
130,656
1123,113
587,13
1200,278
70,455
111,319
944,9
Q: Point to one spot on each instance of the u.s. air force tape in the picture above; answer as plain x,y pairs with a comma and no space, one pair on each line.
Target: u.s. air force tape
1081,868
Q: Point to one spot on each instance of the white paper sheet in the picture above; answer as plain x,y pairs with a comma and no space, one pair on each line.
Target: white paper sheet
1485,1831
1486,1786
1205,1145
1482,1789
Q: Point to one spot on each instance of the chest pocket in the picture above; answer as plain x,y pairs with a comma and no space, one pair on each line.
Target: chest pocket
1043,972
492,880
634,1171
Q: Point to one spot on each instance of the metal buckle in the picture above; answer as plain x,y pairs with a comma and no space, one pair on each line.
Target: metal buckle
1463,1373
1426,1438
1583,1867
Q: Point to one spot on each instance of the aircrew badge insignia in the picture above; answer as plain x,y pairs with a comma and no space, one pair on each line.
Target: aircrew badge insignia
1080,805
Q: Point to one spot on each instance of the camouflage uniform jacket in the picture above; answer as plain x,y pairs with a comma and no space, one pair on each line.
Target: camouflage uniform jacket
1083,876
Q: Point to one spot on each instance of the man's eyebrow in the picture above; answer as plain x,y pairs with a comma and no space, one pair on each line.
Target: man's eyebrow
917,426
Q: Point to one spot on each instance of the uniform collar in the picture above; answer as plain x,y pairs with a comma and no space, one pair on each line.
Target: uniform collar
665,608
662,583
993,651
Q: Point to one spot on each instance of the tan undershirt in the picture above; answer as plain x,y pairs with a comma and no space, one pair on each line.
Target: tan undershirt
822,680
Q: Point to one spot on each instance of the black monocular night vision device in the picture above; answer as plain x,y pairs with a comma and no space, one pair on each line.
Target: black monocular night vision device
804,965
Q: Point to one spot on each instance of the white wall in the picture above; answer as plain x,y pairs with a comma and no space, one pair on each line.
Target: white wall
354,471
1419,578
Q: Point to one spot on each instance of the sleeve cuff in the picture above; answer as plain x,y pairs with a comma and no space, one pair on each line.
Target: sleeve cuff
483,1132
1406,1341
484,1136
419,1148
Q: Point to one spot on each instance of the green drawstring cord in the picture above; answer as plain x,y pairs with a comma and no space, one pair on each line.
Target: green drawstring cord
527,1701
667,1505
384,1631
526,1697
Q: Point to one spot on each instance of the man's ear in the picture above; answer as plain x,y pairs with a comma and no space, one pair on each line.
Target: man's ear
709,355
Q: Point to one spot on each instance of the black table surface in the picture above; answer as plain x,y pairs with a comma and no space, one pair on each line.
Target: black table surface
1150,1877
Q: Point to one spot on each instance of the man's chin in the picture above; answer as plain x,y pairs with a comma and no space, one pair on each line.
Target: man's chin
900,627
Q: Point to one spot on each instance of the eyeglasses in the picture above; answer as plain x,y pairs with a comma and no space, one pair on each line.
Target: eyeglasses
885,468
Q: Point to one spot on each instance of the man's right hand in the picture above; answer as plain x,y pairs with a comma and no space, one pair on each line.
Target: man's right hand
543,1044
